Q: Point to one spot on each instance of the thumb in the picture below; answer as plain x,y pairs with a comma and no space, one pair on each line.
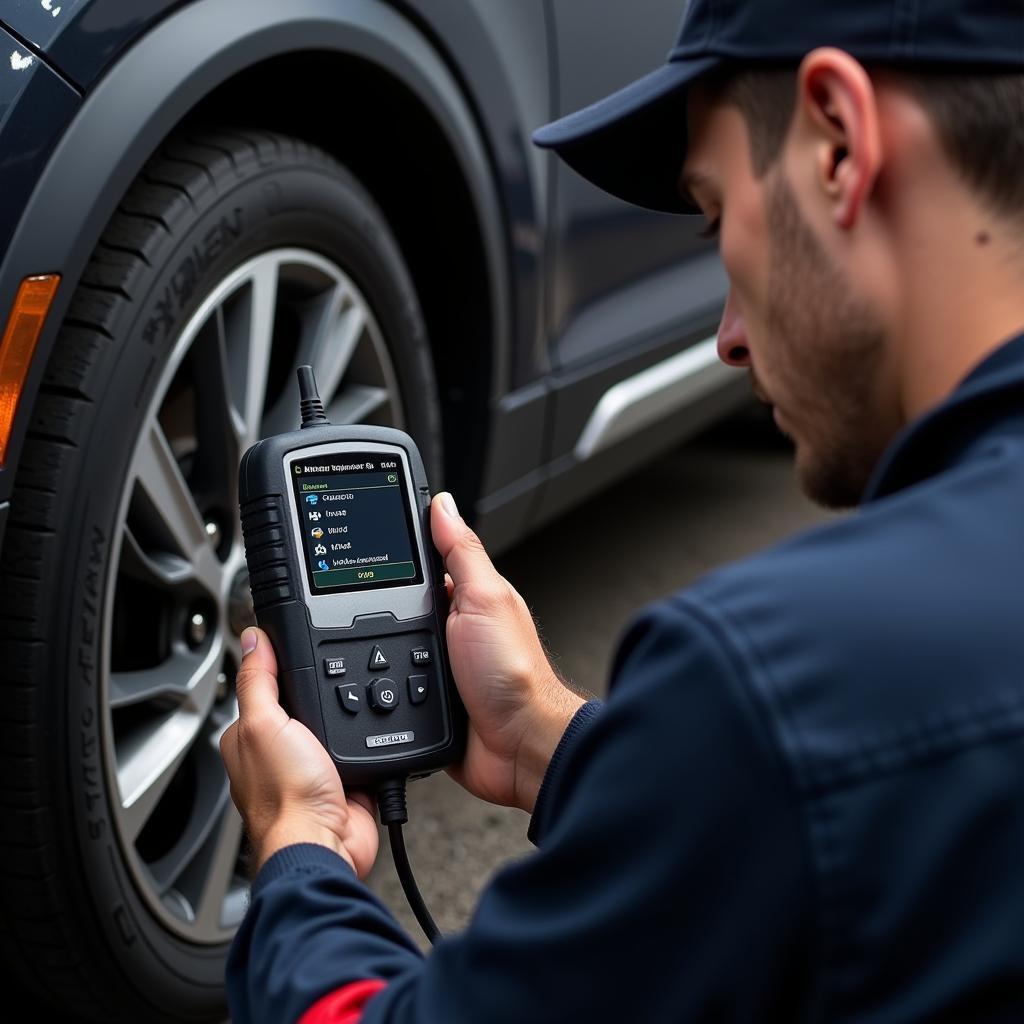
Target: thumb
256,680
464,556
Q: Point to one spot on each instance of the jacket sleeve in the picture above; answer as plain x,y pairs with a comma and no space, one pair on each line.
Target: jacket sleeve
670,881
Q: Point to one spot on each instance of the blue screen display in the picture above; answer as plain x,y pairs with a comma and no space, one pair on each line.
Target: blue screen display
355,522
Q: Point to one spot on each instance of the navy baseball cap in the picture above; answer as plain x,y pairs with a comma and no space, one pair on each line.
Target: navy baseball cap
632,143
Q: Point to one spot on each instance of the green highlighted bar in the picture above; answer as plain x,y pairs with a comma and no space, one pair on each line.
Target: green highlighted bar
364,574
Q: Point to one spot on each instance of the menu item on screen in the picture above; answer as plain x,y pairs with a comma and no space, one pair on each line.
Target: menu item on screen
354,521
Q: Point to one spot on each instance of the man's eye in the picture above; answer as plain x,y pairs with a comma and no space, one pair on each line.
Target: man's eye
711,231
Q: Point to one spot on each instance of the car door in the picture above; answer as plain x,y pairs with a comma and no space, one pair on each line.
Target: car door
622,271
628,289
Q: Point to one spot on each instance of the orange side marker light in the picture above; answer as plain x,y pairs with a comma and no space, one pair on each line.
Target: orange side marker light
24,326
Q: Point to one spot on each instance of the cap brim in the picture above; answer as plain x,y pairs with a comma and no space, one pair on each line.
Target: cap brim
633,142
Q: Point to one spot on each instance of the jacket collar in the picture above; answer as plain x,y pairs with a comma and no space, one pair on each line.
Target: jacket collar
992,392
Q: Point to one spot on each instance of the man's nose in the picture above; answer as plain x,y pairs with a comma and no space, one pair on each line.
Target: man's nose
732,336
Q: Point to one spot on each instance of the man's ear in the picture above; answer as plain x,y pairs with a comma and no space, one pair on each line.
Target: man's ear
837,112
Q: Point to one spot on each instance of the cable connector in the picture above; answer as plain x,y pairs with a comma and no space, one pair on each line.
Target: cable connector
311,408
391,802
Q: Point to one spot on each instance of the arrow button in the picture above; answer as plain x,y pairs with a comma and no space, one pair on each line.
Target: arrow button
418,688
348,698
378,659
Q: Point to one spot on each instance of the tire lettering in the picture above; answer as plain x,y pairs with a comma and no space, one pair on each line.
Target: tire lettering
91,788
88,743
162,322
91,585
91,775
186,277
85,659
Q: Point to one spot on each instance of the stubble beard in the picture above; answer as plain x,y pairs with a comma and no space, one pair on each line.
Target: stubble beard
826,347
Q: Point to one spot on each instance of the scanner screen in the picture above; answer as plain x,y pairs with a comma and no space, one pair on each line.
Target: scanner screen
355,522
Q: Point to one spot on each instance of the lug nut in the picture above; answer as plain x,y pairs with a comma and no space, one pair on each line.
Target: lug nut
197,629
213,532
222,686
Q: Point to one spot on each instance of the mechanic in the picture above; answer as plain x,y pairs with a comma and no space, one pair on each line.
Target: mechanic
804,798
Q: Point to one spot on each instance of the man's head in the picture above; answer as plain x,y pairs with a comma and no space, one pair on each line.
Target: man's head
818,179
852,196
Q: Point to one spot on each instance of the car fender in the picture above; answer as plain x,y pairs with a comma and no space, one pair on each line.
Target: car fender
154,85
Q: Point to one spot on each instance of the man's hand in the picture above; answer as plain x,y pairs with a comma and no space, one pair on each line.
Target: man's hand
282,780
518,707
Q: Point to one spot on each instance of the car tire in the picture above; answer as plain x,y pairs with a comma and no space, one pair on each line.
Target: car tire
127,426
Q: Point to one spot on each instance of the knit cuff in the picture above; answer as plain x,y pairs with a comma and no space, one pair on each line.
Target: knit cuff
578,725
305,858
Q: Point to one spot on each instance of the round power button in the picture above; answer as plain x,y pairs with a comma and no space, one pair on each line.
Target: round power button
382,694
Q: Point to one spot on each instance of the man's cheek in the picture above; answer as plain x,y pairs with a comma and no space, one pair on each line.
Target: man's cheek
744,255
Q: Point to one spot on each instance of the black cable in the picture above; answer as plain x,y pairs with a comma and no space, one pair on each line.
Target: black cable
393,814
412,892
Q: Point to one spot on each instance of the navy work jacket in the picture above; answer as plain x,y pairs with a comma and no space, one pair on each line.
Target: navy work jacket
803,801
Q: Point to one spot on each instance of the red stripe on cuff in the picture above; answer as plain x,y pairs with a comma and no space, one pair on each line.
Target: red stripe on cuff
343,1006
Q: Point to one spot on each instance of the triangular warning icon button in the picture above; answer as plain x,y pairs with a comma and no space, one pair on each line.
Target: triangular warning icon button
378,658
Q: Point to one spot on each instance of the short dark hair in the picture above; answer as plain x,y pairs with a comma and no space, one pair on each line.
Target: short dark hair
979,118
766,98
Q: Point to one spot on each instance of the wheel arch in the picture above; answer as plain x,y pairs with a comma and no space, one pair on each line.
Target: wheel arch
416,178
206,60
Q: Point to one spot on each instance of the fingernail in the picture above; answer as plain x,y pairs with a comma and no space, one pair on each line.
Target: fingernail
449,505
249,639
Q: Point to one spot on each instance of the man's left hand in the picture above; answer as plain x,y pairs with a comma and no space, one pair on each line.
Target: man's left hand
282,780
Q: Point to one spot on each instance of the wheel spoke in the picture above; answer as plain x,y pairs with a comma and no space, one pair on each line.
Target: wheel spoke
336,343
208,844
145,773
249,340
355,402
221,375
223,715
332,328
220,427
161,569
149,758
164,681
174,508
220,870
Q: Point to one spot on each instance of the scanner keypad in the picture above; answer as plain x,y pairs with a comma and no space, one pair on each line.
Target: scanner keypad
385,684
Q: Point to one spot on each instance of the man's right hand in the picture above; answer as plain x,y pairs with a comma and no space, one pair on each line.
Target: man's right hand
518,707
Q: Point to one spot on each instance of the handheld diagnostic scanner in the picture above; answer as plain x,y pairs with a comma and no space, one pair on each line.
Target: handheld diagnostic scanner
347,584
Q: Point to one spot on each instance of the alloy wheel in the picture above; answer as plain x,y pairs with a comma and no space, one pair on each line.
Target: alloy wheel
177,597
